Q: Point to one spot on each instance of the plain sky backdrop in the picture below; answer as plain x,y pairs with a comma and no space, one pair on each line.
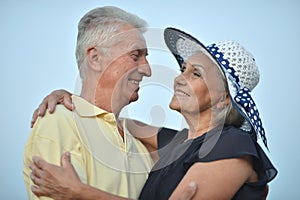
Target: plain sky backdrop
37,39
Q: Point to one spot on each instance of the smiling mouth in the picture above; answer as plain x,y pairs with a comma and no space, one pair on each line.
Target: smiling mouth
136,82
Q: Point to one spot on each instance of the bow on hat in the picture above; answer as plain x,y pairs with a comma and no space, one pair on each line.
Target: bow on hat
244,99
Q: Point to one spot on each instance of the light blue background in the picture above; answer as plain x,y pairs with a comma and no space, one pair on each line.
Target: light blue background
37,44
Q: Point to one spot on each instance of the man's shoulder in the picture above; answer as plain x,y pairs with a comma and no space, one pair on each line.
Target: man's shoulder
53,129
60,113
61,119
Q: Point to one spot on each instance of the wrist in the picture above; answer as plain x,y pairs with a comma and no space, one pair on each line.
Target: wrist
78,192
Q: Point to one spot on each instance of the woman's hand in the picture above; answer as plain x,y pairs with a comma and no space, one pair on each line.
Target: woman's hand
57,182
50,102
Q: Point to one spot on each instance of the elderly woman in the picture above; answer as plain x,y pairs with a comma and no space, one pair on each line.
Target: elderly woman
219,151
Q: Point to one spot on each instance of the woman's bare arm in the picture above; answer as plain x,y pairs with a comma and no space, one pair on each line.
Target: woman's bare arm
144,132
217,179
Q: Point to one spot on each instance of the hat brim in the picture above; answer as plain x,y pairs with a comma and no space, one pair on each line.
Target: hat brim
190,44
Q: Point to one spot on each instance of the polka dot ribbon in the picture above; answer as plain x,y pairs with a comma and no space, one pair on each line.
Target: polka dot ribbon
243,96
214,50
244,99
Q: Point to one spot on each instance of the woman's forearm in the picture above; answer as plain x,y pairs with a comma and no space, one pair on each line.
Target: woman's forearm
144,132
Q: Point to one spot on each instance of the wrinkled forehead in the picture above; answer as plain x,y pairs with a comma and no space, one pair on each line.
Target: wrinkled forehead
130,39
199,58
202,60
192,52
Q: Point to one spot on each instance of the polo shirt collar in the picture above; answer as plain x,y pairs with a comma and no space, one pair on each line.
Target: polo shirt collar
85,108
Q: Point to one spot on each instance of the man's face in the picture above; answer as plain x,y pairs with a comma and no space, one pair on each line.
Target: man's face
125,67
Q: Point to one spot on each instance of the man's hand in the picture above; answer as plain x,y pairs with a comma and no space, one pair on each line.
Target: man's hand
50,102
63,183
57,182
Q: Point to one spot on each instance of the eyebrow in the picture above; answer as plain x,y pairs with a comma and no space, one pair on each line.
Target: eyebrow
196,66
136,47
145,50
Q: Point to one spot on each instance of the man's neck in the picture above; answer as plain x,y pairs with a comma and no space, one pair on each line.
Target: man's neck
103,103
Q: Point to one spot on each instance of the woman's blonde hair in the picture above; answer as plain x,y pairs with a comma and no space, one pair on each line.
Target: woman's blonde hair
228,115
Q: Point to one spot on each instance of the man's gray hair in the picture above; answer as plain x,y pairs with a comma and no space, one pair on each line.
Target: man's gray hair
98,26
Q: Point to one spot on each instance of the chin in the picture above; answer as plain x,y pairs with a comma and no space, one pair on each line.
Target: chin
134,97
175,105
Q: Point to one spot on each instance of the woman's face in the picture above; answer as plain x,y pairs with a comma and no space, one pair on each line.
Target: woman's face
199,87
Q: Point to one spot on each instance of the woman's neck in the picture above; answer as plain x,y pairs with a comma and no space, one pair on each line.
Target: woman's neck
199,124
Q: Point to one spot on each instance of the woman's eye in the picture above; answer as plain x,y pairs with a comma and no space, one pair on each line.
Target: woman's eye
182,69
197,74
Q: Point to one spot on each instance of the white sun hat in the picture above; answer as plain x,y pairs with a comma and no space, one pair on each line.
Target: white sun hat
237,65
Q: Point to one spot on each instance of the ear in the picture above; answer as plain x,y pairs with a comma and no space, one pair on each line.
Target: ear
224,101
93,58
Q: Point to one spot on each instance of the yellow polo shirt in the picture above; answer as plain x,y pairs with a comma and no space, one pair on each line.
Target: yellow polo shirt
99,154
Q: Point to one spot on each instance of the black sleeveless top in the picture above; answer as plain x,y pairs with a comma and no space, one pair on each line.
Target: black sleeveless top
178,155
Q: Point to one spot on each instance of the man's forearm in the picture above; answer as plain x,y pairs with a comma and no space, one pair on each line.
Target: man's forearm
87,192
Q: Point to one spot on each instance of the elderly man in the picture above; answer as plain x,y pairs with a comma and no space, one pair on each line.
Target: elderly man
111,56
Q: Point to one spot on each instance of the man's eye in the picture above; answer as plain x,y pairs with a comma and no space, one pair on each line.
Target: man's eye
135,56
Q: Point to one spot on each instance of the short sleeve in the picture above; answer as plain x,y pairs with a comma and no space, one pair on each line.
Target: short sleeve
235,143
51,136
232,143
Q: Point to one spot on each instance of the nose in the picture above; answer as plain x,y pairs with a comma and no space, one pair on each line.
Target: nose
180,80
144,67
